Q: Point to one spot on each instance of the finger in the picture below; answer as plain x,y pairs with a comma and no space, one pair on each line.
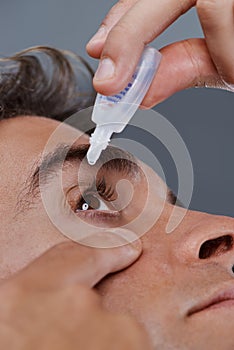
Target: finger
129,36
95,45
72,263
184,64
217,20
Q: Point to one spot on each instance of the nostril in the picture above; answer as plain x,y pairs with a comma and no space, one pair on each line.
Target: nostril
216,246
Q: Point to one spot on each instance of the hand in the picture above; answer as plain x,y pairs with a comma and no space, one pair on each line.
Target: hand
131,24
50,304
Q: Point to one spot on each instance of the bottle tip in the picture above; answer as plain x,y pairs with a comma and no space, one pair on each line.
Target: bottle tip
91,162
93,154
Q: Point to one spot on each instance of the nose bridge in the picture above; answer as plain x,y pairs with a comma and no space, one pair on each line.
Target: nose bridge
207,237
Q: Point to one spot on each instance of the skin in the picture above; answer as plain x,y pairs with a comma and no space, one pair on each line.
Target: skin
161,289
131,24
38,293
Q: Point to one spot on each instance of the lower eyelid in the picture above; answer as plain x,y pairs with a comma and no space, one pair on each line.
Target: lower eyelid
99,214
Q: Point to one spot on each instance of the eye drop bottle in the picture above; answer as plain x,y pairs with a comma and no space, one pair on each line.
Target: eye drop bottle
112,113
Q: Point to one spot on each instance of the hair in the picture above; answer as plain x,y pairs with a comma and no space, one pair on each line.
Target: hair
44,81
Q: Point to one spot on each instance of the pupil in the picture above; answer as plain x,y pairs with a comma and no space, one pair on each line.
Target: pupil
94,203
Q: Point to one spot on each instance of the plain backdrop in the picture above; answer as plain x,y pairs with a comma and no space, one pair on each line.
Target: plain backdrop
203,117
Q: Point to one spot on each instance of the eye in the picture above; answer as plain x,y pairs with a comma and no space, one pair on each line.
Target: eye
91,202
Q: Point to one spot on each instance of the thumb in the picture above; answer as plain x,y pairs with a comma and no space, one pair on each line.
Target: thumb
128,27
72,263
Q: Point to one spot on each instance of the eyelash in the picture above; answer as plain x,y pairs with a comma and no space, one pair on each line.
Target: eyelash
104,191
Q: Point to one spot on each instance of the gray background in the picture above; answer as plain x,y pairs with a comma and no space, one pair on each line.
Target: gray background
204,117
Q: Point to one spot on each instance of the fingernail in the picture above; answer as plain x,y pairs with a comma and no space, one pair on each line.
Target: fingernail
106,69
100,34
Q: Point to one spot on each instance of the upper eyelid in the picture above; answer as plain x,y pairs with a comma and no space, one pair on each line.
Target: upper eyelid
93,190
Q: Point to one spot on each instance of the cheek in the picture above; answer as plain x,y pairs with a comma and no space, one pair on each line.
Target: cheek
138,286
24,240
146,291
148,282
123,291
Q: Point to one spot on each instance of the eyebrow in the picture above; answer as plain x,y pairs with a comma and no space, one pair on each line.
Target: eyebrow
46,169
112,158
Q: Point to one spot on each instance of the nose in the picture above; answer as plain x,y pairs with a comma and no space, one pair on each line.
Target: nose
210,238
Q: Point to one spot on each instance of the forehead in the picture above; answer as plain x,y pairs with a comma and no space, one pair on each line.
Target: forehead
30,135
22,141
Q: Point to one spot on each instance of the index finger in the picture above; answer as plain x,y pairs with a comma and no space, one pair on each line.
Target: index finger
136,27
71,263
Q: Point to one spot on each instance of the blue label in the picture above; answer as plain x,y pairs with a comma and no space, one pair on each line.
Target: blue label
118,97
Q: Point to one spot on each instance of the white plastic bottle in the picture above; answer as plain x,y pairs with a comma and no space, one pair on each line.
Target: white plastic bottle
112,113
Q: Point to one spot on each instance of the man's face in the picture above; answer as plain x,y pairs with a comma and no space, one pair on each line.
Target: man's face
181,288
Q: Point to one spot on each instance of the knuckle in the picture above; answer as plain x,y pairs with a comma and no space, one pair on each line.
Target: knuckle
189,51
207,7
127,31
117,11
185,5
120,28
